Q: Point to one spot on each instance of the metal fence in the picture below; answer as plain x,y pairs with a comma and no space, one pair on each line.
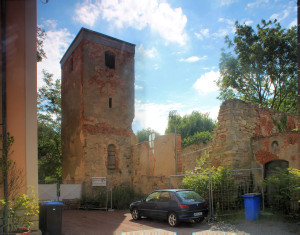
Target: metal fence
223,189
59,191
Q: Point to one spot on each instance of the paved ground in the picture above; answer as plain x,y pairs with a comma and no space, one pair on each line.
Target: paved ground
94,222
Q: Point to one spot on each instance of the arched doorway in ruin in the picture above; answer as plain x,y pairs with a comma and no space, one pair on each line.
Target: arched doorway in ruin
271,168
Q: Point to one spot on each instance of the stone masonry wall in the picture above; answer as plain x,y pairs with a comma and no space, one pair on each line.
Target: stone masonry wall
238,123
281,146
103,124
191,154
98,108
153,166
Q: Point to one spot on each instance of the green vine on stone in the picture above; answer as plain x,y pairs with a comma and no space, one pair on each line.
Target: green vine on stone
281,125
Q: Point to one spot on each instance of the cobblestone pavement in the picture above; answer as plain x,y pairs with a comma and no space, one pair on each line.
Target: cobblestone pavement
94,222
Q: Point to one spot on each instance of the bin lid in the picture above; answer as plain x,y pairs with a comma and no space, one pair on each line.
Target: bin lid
53,203
251,195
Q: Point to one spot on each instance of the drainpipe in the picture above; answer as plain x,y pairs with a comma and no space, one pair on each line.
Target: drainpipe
4,131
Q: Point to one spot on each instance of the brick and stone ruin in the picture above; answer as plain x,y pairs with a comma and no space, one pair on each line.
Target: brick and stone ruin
98,111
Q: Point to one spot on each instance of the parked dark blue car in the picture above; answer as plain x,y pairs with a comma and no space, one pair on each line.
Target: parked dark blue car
173,205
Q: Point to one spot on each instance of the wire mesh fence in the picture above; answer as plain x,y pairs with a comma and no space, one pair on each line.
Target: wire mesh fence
223,189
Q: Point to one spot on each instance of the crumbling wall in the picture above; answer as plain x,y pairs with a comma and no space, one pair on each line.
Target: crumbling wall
239,124
191,154
153,166
280,146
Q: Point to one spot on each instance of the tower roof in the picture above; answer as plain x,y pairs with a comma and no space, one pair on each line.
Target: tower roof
90,35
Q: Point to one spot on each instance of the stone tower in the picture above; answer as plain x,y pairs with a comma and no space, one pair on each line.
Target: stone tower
97,108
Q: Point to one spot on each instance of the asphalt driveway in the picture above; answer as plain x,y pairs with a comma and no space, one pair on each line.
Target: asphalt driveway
94,222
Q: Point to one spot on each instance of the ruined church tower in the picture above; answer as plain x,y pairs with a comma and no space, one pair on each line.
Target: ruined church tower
97,108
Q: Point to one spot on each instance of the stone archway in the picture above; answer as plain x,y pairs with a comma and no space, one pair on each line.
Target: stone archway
270,168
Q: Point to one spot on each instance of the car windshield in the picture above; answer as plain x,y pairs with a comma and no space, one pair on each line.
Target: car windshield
189,196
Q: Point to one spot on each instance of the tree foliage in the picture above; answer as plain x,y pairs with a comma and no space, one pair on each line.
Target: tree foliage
198,180
194,128
49,128
263,68
41,35
143,135
285,187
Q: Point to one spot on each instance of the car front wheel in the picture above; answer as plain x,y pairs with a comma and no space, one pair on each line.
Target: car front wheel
173,220
135,214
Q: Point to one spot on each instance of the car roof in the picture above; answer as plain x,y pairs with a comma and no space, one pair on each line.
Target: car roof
171,190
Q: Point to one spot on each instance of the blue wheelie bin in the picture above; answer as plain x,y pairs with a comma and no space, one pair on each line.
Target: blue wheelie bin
252,205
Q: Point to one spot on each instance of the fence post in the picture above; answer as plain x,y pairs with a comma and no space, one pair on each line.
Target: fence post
262,189
58,190
111,198
210,195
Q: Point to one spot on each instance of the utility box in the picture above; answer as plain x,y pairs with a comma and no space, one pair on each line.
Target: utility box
252,205
51,218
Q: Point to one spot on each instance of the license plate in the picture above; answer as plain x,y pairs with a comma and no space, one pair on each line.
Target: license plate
197,213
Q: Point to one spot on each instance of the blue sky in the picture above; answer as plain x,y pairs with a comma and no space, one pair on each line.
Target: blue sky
178,45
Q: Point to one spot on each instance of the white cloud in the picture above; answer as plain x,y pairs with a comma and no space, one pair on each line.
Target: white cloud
55,45
151,53
227,21
169,23
227,29
212,110
226,2
293,23
154,115
206,83
204,33
283,14
137,87
159,16
193,59
257,3
87,12
249,22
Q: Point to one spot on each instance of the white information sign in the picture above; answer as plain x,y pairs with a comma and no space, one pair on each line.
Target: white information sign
98,181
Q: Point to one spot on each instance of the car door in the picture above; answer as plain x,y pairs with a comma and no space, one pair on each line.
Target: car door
163,205
148,207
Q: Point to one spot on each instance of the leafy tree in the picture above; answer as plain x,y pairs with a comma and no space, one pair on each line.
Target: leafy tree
198,137
263,68
49,128
41,35
143,135
194,128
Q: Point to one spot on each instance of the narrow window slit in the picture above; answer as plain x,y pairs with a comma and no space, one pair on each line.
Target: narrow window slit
109,60
110,103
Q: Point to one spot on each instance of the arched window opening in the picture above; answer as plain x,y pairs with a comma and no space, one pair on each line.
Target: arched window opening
111,157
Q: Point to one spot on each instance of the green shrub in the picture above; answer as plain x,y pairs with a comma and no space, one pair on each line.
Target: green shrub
227,186
199,137
122,196
94,200
284,186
